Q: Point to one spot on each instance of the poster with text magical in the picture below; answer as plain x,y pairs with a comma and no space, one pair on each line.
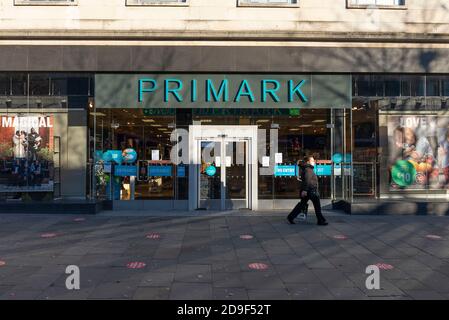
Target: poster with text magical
26,153
418,148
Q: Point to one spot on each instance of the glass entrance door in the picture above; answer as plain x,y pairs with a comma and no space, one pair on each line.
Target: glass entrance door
236,176
223,175
210,179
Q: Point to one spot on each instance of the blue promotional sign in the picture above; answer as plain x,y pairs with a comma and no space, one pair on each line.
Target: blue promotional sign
107,156
323,170
337,158
211,170
125,171
116,156
129,155
181,172
112,155
160,171
285,171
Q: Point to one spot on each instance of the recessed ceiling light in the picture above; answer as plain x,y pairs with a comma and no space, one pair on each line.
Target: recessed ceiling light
98,114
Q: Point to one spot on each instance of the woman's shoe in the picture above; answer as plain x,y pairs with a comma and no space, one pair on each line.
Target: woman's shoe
290,221
322,223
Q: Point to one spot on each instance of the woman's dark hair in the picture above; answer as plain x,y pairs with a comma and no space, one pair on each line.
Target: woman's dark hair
307,158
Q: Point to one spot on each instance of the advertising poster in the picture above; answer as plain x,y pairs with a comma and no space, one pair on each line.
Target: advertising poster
26,153
418,152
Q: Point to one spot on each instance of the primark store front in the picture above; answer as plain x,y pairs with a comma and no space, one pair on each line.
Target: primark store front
216,141
222,141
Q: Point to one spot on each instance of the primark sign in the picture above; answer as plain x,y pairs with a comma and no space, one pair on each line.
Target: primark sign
222,91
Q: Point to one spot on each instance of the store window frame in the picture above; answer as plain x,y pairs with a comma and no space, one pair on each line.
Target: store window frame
246,3
421,96
352,4
157,3
45,3
61,111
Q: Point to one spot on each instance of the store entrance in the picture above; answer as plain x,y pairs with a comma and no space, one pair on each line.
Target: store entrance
224,174
225,160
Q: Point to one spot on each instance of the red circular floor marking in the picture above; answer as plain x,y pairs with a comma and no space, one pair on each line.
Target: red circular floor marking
384,266
136,265
433,237
153,236
2,263
79,219
340,237
246,237
258,266
48,235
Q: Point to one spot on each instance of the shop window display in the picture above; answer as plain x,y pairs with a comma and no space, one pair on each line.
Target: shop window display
401,138
26,155
148,137
35,153
418,152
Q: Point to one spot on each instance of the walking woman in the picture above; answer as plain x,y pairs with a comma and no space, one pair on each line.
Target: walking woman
308,191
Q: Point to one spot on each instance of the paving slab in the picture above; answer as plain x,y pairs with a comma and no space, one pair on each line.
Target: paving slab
262,280
152,293
347,294
311,291
230,293
157,279
193,273
269,294
113,290
226,280
191,291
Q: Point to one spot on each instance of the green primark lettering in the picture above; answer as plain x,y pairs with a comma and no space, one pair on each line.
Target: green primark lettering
222,90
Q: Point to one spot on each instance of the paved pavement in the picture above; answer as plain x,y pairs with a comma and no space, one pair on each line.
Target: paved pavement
202,256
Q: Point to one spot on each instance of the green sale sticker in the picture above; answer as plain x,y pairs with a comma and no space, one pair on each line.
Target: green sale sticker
403,173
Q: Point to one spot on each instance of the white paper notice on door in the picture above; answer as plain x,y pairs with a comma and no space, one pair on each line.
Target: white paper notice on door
228,161
278,158
155,155
265,161
217,161
337,170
